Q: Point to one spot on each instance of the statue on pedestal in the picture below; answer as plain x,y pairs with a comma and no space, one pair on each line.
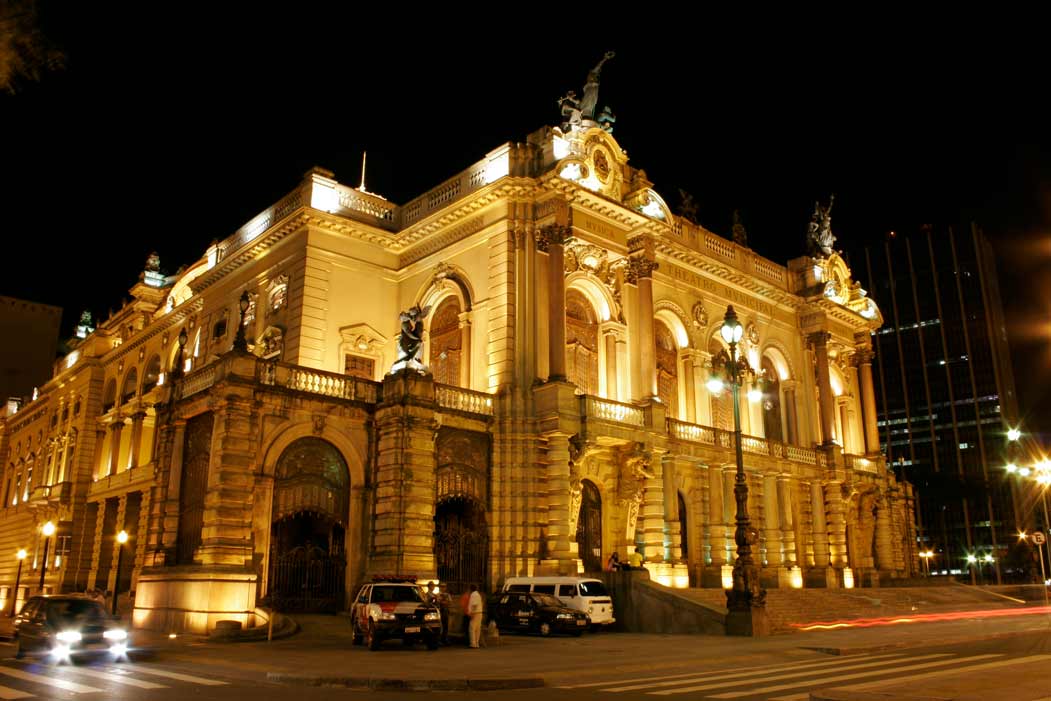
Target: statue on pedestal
410,341
590,101
819,232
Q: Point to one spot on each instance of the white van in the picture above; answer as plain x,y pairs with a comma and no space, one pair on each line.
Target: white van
580,593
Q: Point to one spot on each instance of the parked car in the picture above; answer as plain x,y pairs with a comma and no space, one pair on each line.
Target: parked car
395,610
537,613
67,626
584,594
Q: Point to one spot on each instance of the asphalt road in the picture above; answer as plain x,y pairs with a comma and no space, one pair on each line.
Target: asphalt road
1015,669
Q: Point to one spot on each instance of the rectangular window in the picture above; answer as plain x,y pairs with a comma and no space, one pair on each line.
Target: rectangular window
356,366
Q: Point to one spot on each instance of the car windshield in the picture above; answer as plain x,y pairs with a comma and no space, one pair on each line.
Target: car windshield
593,589
74,613
381,593
547,600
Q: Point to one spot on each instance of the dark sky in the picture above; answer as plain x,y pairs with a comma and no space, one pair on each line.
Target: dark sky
166,131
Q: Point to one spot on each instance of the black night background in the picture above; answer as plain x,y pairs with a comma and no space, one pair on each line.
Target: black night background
166,129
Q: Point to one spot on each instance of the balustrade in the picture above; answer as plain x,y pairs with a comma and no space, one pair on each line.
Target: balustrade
325,384
460,399
609,410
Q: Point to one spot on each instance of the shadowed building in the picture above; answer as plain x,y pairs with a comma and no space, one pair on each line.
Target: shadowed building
30,333
551,403
947,392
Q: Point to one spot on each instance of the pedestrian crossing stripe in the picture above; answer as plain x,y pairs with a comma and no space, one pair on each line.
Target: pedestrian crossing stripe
944,672
47,681
7,692
766,677
172,675
725,673
117,678
845,677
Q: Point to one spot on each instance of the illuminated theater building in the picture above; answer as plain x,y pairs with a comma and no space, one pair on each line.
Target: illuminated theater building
571,330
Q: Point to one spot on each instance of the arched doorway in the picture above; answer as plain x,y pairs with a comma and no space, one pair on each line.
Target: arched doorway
307,536
772,402
446,342
461,529
667,367
581,343
461,543
589,527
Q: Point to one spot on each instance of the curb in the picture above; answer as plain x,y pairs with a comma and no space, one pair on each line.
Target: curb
920,643
395,684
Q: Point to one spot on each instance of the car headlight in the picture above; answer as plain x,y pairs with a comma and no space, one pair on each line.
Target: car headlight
387,616
567,615
432,616
68,636
115,634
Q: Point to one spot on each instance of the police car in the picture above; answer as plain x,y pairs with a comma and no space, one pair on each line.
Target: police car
395,609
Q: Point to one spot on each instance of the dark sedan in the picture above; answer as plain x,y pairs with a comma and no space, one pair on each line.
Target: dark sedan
536,613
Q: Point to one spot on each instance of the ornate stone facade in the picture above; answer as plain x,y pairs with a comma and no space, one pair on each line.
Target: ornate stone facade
314,454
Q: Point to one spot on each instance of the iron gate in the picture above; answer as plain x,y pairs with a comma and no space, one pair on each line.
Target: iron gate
306,578
461,557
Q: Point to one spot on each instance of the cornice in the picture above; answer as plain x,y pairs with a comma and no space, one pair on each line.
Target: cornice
727,273
251,250
190,307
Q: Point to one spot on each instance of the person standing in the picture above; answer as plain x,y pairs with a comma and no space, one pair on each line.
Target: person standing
635,560
474,608
465,625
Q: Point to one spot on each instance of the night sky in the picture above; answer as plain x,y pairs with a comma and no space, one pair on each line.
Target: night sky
165,132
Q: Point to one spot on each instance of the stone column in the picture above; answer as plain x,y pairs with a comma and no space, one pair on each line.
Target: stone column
112,581
863,359
884,545
819,525
640,271
610,340
551,239
826,400
788,404
114,445
136,438
716,522
403,527
701,362
561,558
786,506
167,525
672,517
651,513
139,546
96,544
772,522
226,528
465,350
837,524
101,460
689,383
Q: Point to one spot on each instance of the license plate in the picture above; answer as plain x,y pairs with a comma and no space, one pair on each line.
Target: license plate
582,623
412,629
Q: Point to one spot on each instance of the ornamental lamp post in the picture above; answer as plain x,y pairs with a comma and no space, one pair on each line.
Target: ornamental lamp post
48,530
746,600
21,555
240,342
122,538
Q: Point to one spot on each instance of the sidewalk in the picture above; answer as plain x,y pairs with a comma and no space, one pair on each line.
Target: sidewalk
322,653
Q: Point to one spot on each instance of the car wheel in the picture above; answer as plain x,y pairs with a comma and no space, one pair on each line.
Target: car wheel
356,637
373,639
544,628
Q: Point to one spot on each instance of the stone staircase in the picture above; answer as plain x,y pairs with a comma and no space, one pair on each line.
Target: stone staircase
786,607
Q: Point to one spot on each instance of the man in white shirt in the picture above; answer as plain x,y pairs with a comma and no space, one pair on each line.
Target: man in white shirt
474,608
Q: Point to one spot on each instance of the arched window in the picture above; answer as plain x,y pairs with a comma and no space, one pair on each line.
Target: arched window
109,396
581,343
131,384
446,345
721,401
772,402
152,374
667,367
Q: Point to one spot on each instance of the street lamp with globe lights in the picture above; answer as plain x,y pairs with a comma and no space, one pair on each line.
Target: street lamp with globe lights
48,530
240,342
746,599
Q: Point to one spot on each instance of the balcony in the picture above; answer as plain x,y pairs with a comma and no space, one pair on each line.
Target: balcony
752,445
325,384
463,400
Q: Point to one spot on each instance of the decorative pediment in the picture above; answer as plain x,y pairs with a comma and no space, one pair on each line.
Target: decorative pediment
647,202
593,159
362,338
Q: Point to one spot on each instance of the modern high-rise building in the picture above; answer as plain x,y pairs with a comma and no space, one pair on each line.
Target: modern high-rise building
947,394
